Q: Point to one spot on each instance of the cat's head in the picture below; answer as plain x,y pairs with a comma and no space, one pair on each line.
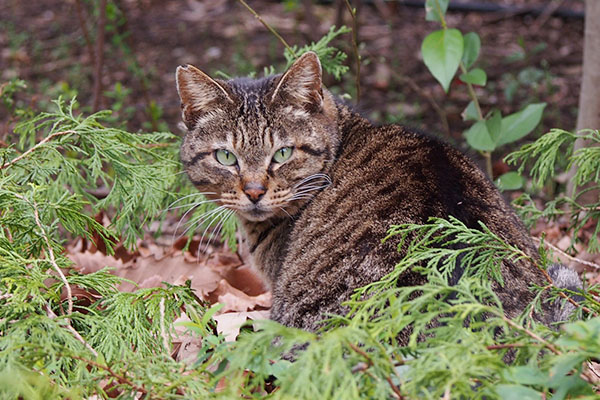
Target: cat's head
263,147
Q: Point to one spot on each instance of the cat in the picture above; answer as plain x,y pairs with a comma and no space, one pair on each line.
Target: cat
315,187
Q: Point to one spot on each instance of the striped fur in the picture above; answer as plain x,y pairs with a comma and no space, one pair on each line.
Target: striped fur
316,234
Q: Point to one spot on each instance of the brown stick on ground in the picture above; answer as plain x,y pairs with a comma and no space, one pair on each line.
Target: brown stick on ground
84,30
99,55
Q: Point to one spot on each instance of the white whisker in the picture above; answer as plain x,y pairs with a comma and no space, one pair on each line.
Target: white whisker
313,177
187,196
283,209
179,223
217,229
194,221
213,219
191,205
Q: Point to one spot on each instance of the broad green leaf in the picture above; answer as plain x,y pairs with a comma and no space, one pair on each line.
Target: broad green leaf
472,46
510,181
479,138
494,125
476,76
572,386
518,125
442,51
565,363
525,375
517,392
435,9
470,113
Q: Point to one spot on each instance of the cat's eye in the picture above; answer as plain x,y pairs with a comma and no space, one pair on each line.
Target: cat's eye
283,154
225,157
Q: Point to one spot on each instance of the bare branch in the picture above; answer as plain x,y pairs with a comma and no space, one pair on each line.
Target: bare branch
355,46
269,27
99,55
84,30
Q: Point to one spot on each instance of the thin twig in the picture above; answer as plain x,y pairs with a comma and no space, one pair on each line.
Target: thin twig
506,346
446,393
70,328
99,55
561,294
570,257
163,331
545,15
362,353
50,252
549,345
355,46
120,378
132,53
416,88
551,282
84,30
43,141
363,368
273,31
486,154
395,388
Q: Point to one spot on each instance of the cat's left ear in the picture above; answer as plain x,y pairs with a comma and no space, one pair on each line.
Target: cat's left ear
301,84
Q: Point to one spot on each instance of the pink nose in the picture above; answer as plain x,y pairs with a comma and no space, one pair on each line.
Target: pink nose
255,191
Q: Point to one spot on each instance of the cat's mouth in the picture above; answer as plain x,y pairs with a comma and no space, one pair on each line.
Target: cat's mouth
256,212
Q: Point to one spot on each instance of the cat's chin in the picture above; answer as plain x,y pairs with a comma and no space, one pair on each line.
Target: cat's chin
256,214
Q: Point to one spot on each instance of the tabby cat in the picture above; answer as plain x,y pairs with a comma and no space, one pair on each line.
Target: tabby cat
315,187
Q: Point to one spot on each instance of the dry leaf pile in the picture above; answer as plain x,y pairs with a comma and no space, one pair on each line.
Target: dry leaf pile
217,276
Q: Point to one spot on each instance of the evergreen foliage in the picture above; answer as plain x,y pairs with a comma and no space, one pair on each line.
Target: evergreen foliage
556,148
331,58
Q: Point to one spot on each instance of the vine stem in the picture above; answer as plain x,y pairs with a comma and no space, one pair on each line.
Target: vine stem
355,46
42,142
266,25
486,154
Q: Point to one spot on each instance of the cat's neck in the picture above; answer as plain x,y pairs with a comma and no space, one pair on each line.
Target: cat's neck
350,122
267,242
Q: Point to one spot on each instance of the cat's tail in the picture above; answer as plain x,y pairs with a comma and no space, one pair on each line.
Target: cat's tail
564,278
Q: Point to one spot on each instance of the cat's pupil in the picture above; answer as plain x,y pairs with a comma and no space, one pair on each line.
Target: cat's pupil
225,157
282,154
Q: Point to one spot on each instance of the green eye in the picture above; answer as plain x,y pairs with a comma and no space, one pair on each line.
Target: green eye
283,154
225,157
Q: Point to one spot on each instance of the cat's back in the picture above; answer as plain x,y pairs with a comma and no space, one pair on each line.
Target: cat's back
383,176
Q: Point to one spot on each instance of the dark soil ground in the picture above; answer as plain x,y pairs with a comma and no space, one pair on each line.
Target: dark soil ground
528,58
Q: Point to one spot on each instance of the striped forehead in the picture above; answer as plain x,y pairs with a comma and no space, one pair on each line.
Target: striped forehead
253,117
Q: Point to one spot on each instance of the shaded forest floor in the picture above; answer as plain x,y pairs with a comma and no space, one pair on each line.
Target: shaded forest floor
528,58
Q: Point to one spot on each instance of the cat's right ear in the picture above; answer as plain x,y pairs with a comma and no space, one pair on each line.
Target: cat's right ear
199,94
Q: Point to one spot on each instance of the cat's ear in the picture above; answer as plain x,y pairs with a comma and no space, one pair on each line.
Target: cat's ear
301,84
199,94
